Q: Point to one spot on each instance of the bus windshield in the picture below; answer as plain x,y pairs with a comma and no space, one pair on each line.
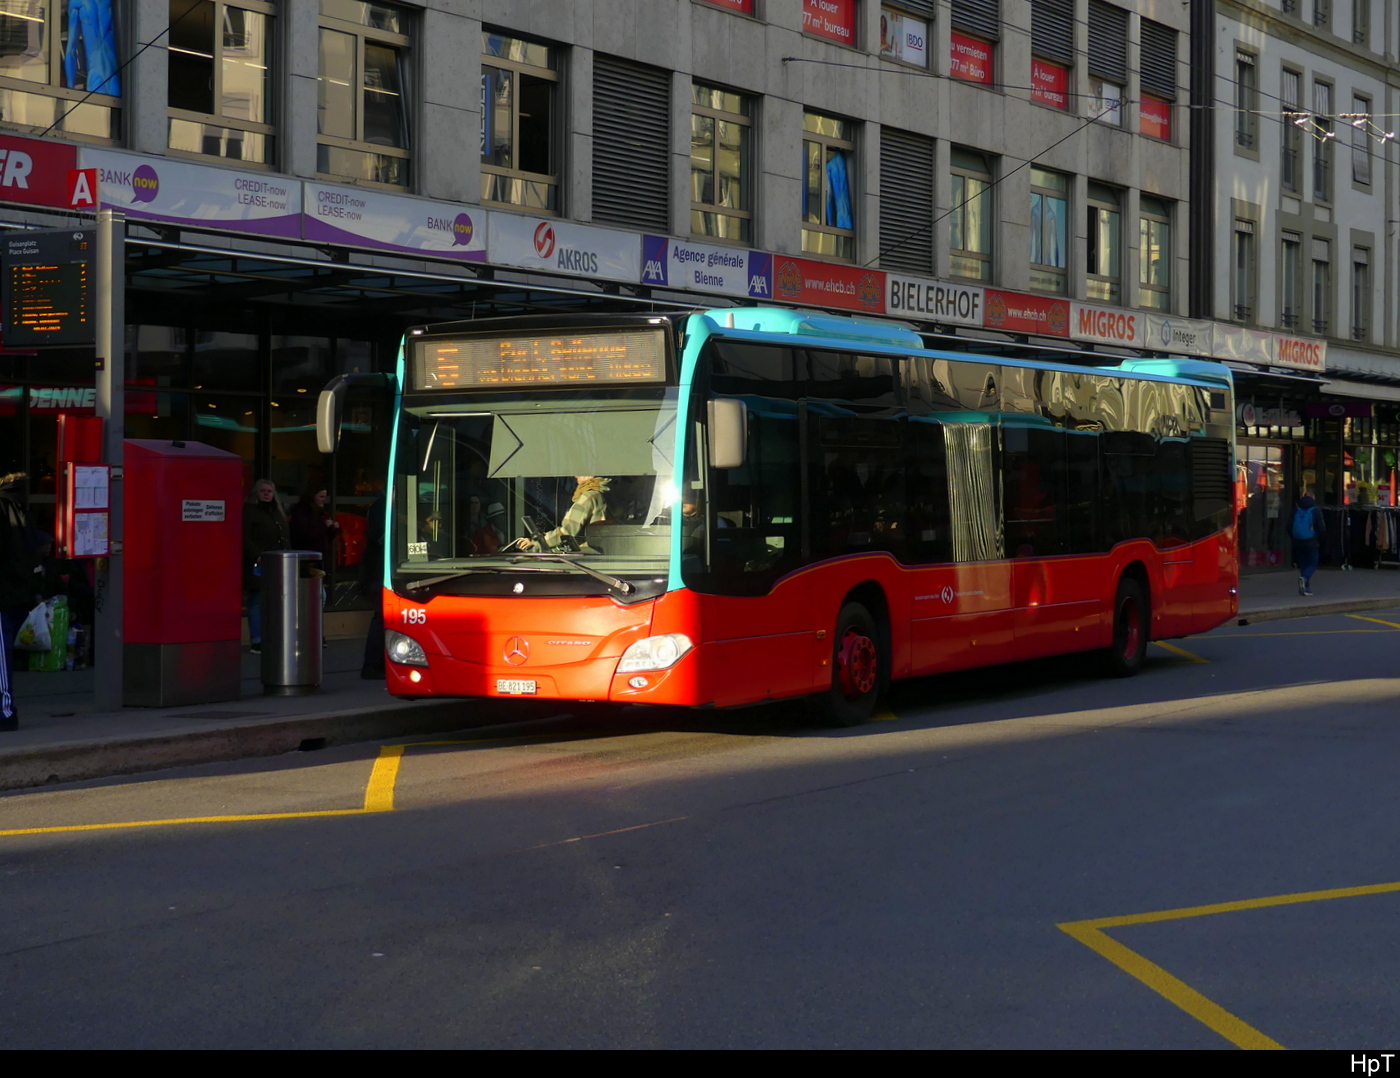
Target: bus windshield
565,490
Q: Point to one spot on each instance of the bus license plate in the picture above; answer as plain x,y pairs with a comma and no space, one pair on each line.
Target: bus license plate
516,687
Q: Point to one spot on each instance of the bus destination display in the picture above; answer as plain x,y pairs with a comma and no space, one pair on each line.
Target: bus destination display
47,286
559,359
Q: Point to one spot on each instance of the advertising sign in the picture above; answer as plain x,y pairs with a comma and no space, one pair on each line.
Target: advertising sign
672,263
800,280
933,301
1018,313
971,59
903,38
834,20
542,243
1246,345
35,173
1049,83
1299,352
1106,102
1107,325
1155,117
1171,334
197,196
384,222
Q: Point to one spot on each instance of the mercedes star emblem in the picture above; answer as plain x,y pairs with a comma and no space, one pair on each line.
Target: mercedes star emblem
517,650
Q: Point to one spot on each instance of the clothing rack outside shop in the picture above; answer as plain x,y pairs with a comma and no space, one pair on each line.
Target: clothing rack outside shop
1362,536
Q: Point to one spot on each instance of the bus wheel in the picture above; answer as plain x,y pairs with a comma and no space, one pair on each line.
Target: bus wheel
1130,630
855,669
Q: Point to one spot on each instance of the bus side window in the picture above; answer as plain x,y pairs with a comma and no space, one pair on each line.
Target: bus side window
930,532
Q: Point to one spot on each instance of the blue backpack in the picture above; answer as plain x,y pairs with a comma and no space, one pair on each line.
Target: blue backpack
1303,524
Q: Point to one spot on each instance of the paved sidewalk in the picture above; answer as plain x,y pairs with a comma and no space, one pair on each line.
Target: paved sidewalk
64,738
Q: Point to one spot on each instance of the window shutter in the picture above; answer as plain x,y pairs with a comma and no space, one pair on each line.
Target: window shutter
980,17
1159,60
917,7
631,145
1108,42
1052,30
906,201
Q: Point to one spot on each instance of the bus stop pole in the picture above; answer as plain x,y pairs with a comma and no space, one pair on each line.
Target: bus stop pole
110,290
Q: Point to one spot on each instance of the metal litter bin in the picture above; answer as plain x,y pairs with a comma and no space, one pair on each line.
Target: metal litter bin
291,623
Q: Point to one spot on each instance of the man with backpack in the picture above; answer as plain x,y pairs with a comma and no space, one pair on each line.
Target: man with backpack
1308,531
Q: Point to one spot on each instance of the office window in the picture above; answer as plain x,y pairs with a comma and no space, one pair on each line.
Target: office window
1154,254
219,96
54,54
906,201
519,123
632,157
1246,100
1322,287
1291,281
720,175
971,216
1108,61
1049,231
1322,129
1291,123
1242,277
1052,51
1104,254
828,214
905,37
976,27
1360,140
1360,293
364,100
1158,78
1361,22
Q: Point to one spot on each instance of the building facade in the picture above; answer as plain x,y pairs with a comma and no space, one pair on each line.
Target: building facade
303,181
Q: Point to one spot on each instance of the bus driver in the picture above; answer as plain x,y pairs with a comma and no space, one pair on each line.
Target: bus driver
589,507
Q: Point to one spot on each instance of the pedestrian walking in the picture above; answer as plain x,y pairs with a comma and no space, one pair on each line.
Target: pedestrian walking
264,529
1308,531
21,581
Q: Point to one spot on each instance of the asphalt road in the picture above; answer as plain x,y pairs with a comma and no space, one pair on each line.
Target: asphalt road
973,871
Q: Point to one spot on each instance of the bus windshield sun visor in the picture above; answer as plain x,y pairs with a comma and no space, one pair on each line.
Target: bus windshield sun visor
580,443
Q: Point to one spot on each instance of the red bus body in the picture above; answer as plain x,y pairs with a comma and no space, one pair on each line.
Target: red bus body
941,618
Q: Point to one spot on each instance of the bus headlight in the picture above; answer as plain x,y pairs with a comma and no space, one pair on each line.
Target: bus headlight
404,650
654,653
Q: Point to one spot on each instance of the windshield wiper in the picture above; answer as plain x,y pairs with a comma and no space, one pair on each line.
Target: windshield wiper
614,582
428,582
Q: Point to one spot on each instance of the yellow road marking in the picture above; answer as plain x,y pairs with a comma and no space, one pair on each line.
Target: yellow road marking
1313,632
1378,621
1189,656
379,794
1211,1015
186,820
1235,1030
884,715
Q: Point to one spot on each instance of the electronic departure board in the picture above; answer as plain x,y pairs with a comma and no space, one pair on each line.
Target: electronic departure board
618,357
46,288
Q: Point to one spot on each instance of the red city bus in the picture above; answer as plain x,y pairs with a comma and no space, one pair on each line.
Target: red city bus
721,508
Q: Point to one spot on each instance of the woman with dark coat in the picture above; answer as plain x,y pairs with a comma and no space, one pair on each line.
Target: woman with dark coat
264,529
312,526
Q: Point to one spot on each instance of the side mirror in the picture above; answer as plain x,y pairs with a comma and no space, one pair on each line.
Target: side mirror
729,433
331,402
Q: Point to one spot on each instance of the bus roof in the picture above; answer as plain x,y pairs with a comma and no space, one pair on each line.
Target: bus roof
760,323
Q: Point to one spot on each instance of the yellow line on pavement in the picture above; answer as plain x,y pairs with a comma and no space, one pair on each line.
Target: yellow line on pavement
1238,1032
884,715
1211,1015
185,820
1189,656
1378,621
379,794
